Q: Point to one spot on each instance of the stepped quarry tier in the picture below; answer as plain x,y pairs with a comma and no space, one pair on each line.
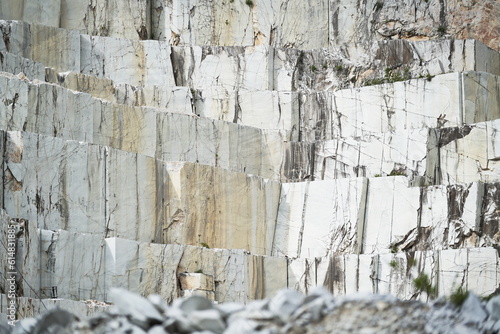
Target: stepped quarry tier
279,23
229,149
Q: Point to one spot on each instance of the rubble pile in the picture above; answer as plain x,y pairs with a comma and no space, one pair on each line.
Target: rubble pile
287,312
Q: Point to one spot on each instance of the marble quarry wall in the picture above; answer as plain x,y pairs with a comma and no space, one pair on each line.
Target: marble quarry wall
231,148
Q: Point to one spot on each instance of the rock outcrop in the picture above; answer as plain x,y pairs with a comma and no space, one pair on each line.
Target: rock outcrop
231,149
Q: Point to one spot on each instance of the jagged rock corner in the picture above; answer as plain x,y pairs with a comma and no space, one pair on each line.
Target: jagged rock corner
222,151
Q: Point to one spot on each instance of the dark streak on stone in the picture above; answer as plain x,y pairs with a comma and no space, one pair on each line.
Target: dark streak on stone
334,274
490,211
6,40
143,33
447,135
457,194
177,66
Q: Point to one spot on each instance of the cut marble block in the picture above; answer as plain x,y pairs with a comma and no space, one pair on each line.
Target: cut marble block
351,264
330,273
196,198
74,266
451,217
20,245
230,68
15,64
200,196
404,106
451,99
15,95
302,274
467,154
196,281
391,212
481,95
333,212
274,275
138,63
483,270
53,47
203,22
380,154
132,210
37,191
391,273
269,110
239,23
289,221
144,130
152,268
126,128
474,269
127,19
218,143
453,264
36,11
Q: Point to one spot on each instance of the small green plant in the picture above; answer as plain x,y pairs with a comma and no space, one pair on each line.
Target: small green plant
393,264
231,1
459,296
313,68
379,5
377,175
429,77
325,66
375,81
249,3
204,244
394,248
199,271
340,68
423,284
441,29
412,262
395,172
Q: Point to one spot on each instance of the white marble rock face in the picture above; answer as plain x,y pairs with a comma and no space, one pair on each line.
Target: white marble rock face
229,149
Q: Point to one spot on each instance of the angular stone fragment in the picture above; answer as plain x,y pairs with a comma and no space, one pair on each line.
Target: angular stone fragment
141,311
